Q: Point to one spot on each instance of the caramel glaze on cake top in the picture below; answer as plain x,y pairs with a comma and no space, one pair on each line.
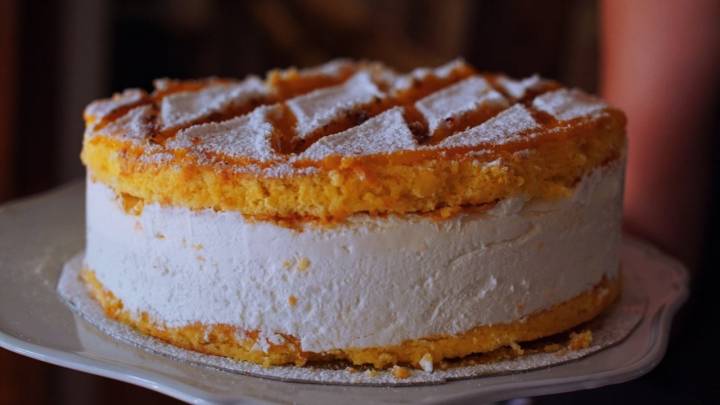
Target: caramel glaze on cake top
349,137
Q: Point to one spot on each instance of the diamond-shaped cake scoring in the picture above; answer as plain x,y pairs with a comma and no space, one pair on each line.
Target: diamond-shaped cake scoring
466,96
405,82
334,67
323,106
248,136
163,84
101,108
185,107
567,104
449,68
519,88
136,125
505,127
384,133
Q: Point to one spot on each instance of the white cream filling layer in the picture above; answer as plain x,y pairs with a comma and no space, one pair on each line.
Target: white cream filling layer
370,282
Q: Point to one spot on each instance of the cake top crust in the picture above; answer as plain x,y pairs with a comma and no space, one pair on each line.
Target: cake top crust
507,126
347,137
185,107
342,109
385,133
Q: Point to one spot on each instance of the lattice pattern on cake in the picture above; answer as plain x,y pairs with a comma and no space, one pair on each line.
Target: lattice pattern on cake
248,136
385,133
343,109
445,107
186,107
103,108
566,104
321,107
508,126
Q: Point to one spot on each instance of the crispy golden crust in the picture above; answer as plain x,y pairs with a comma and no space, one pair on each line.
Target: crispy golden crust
545,162
227,341
408,183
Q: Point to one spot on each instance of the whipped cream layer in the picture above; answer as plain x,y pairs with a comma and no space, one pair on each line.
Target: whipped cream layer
368,282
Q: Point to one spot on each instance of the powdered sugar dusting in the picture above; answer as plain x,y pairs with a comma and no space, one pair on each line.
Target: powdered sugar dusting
156,158
102,108
188,106
404,82
463,97
278,170
370,87
162,84
333,68
518,88
444,71
136,125
382,75
384,133
246,136
507,126
567,104
321,107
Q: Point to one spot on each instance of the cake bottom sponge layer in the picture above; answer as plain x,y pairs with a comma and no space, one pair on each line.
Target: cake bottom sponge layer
228,341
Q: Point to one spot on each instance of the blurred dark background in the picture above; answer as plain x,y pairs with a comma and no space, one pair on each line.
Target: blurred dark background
57,56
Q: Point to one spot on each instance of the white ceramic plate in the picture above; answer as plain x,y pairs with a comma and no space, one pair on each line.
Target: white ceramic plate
38,235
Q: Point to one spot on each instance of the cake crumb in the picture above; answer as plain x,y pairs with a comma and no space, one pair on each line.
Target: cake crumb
288,264
386,358
400,372
447,212
580,340
160,236
554,347
131,205
371,373
426,362
292,300
303,264
517,350
198,246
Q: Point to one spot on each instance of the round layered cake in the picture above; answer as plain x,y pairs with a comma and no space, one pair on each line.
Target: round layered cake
351,213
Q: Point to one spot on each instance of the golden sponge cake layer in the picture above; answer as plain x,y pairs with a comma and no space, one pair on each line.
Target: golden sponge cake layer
349,137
